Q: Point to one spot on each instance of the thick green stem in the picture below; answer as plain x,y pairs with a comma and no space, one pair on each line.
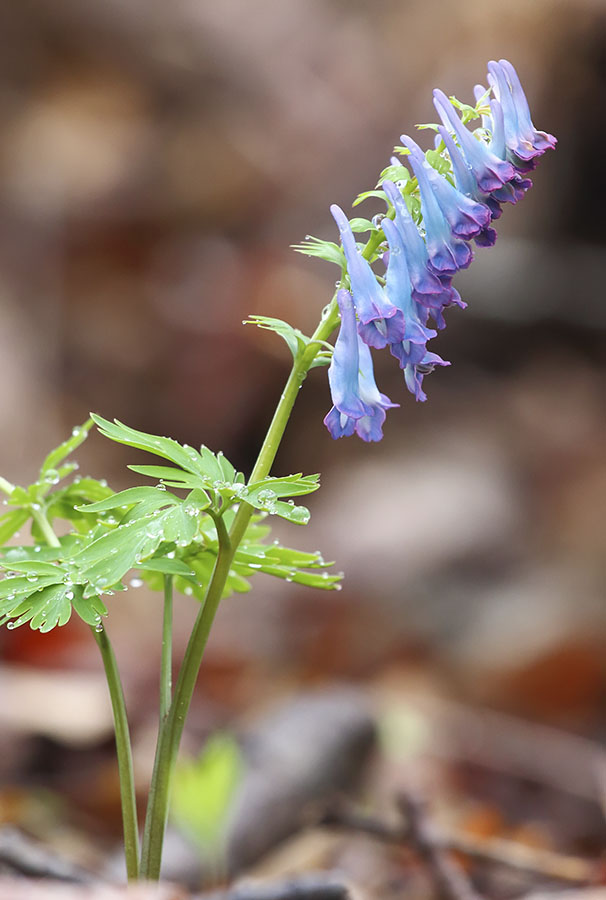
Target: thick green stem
172,730
166,668
124,753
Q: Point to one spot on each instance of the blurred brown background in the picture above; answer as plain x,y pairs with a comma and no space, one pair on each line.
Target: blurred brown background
156,162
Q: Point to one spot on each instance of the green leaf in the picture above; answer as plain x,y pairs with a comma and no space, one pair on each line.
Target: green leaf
129,497
185,457
45,602
438,162
366,194
288,486
294,338
326,250
11,522
106,560
78,436
395,174
360,226
166,567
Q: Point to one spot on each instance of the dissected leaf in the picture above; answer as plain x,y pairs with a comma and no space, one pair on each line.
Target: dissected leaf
56,456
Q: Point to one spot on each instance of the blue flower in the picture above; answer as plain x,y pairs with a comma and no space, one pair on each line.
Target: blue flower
399,290
358,404
379,321
522,140
489,171
464,178
426,286
446,252
465,216
428,290
417,361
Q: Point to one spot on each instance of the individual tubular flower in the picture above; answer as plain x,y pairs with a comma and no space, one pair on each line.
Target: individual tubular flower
465,216
379,321
489,171
447,253
522,140
426,286
463,176
399,290
358,404
428,290
417,361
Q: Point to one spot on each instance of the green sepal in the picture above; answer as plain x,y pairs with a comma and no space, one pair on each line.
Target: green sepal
326,250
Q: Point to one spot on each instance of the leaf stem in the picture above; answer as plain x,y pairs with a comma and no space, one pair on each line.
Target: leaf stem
123,743
171,729
6,486
166,668
39,517
124,754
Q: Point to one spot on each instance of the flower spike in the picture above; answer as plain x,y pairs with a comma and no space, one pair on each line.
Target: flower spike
422,241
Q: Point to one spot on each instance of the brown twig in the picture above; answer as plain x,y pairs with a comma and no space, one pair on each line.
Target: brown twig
18,853
571,870
314,886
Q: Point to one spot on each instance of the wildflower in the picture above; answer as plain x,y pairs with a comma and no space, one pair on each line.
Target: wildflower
466,217
380,322
428,229
399,289
522,140
464,179
416,366
358,404
446,253
426,286
489,171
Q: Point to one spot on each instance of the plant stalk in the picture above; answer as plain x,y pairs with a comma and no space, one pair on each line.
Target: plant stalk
124,754
123,745
172,728
166,670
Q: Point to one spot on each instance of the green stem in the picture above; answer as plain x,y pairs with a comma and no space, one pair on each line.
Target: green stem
123,745
172,729
6,486
45,527
124,753
166,669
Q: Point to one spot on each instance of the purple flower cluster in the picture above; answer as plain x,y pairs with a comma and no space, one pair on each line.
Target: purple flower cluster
484,171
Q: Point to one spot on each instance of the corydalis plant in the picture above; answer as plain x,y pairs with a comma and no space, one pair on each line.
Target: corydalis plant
448,198
201,527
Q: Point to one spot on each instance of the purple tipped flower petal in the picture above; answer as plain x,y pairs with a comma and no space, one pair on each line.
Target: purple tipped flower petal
464,178
523,142
358,404
489,171
425,283
398,286
446,253
380,321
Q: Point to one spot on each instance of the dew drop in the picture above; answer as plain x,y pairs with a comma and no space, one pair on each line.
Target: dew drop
136,582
